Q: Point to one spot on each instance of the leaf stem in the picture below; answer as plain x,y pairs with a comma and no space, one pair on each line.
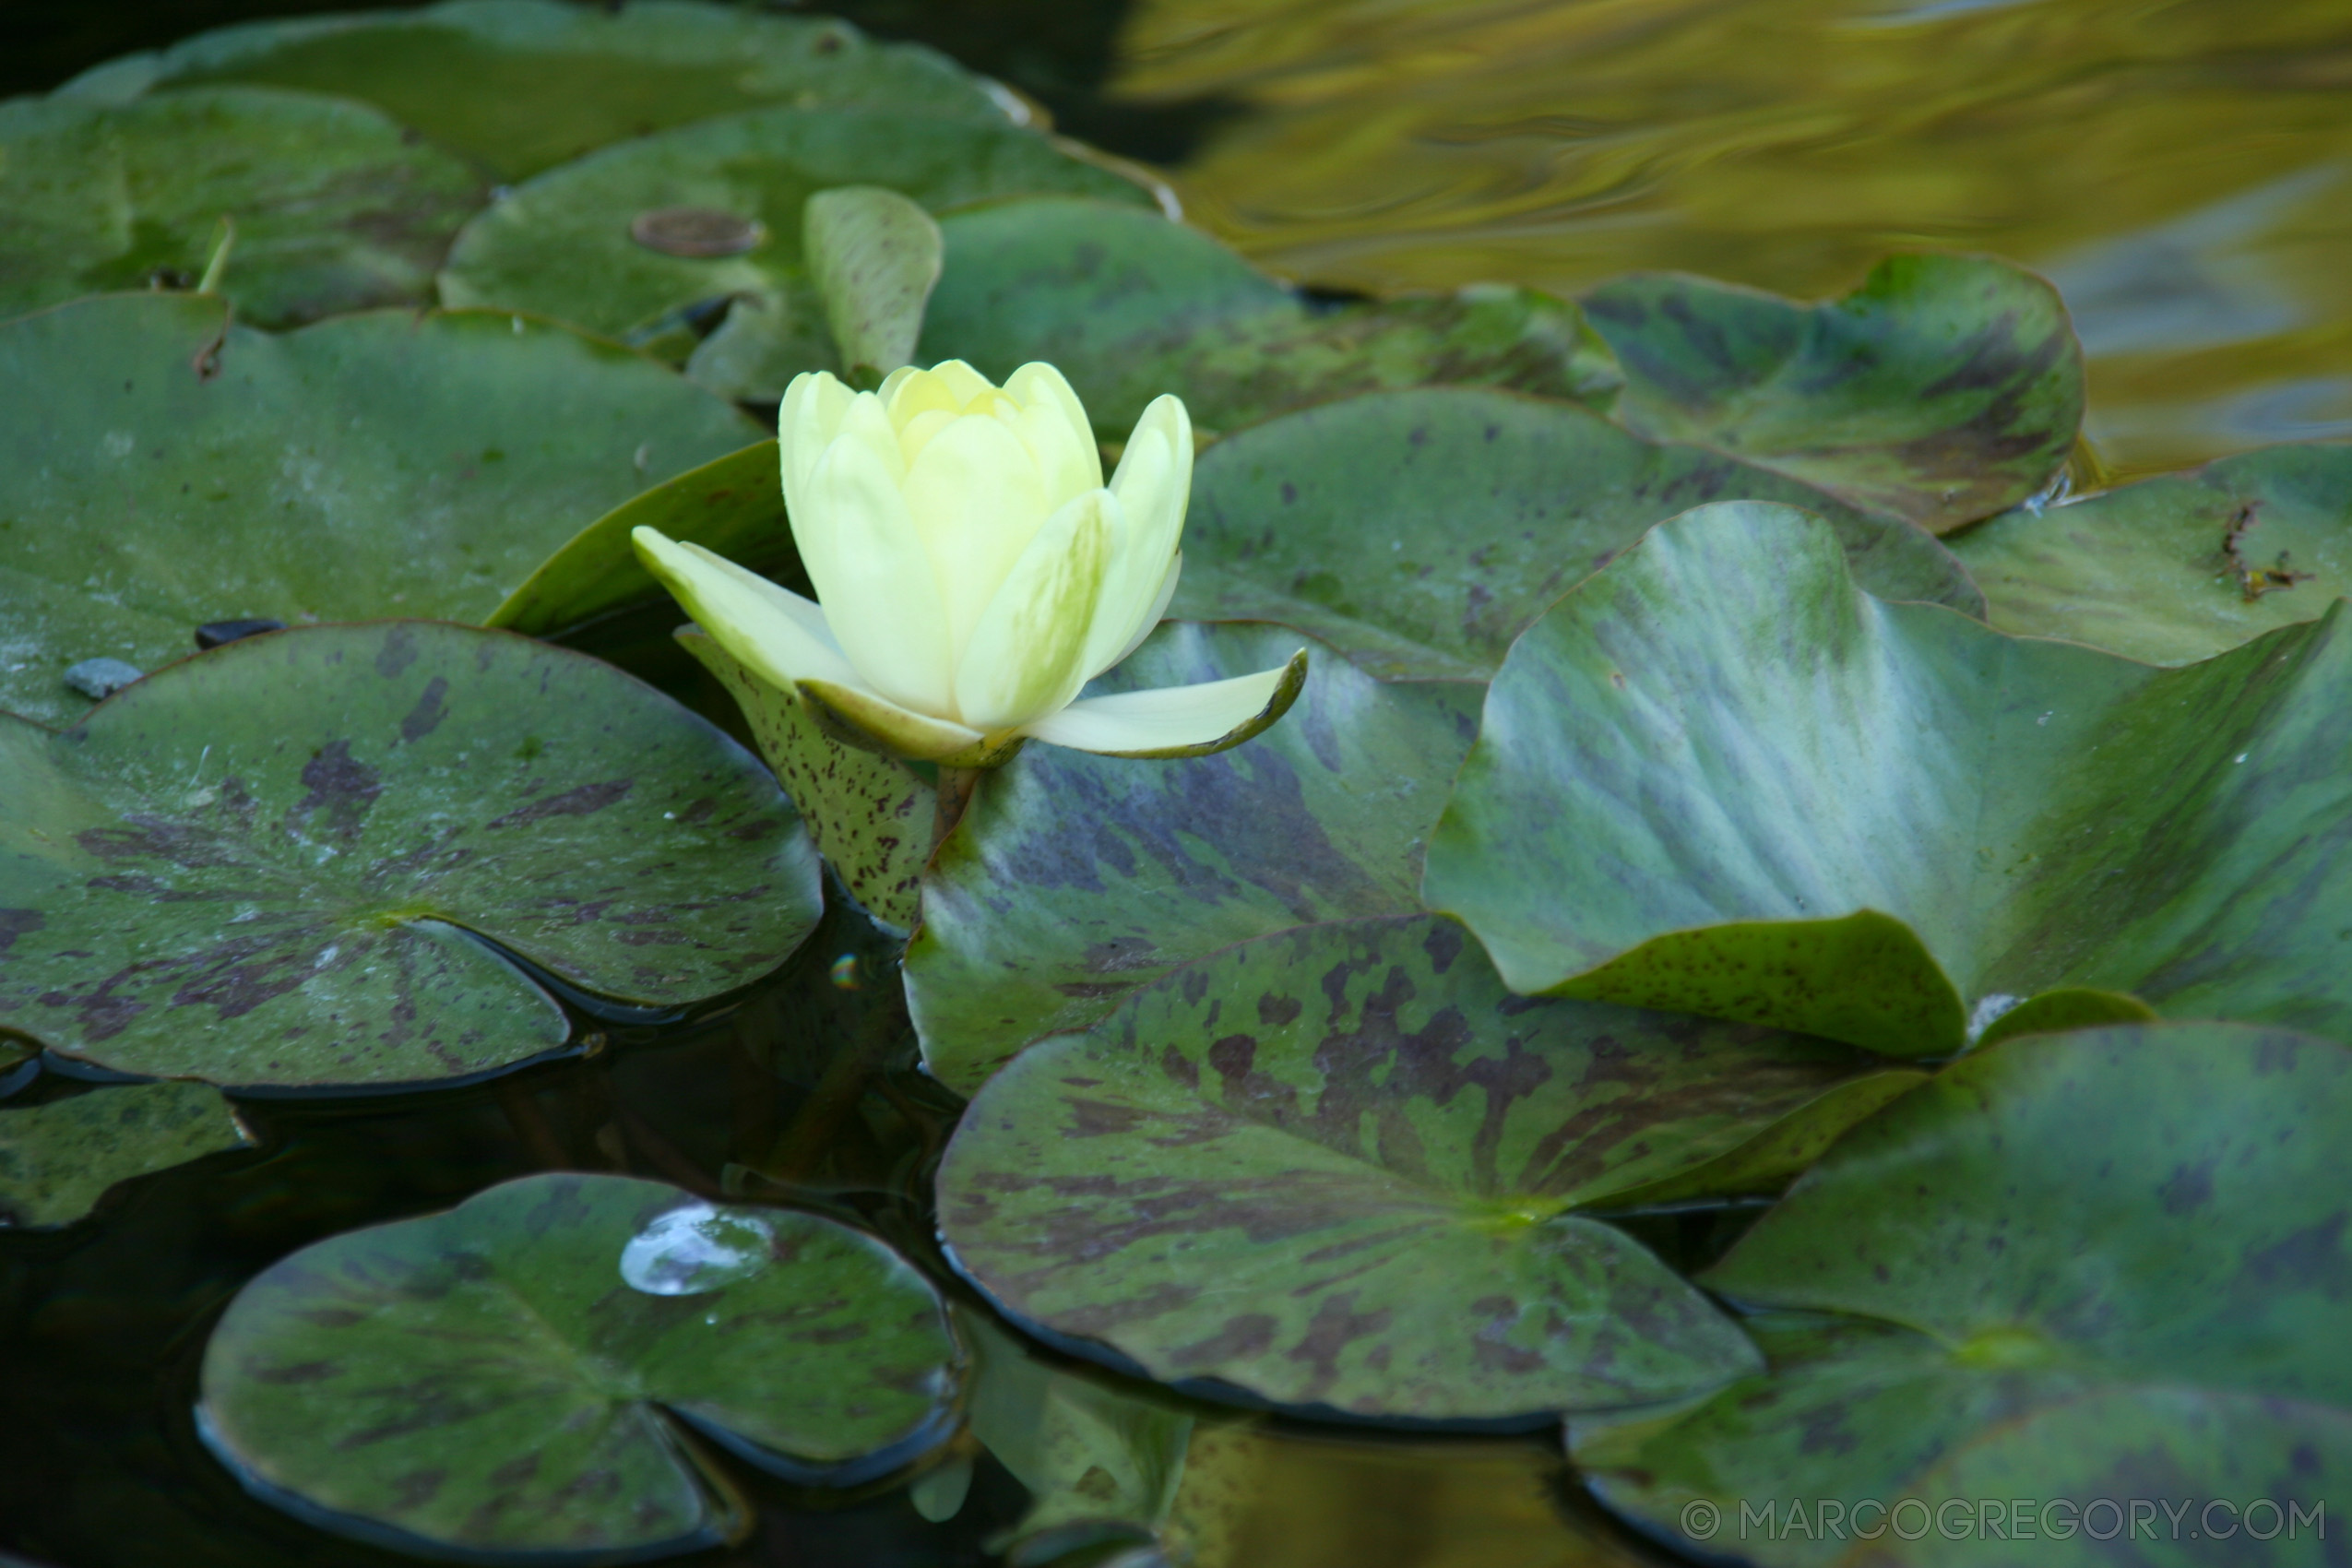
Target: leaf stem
952,798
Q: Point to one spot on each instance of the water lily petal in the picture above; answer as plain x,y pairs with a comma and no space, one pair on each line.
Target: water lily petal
1172,721
1151,620
1038,384
860,718
978,500
1026,656
1067,468
876,580
966,384
820,531
780,635
810,415
1154,485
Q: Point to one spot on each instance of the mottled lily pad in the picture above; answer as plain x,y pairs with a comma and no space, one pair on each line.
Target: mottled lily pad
1718,777
337,208
1129,304
561,245
872,816
272,864
1073,879
2178,568
58,1160
1420,532
524,85
734,507
540,1371
1341,1167
2036,1303
160,469
1944,389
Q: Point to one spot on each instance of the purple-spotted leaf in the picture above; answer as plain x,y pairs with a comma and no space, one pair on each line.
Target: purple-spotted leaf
1943,389
1074,878
273,863
1343,1167
2103,1265
538,1371
58,1160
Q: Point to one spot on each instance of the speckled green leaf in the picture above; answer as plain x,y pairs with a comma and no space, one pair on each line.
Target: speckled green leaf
1074,878
2142,1302
336,208
871,816
544,1368
734,507
1943,389
873,257
58,1160
524,85
159,469
561,243
1339,1167
1420,532
2147,570
1129,305
262,865
1718,777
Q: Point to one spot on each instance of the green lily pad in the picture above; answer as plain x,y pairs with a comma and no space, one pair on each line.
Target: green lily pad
870,816
1129,304
734,506
2142,1303
2147,571
523,84
1718,777
337,208
873,257
1341,1167
160,469
1944,389
570,244
270,865
539,1370
1420,532
1071,878
58,1160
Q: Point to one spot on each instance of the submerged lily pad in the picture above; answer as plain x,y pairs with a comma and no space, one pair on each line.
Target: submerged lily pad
271,864
2139,1303
1420,532
2177,568
58,1160
337,208
562,245
524,85
537,1371
1129,304
1071,878
160,469
1944,389
1341,1166
1718,777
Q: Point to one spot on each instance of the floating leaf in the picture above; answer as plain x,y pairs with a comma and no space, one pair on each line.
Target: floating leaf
538,1370
871,816
1420,532
734,507
2177,568
337,207
2142,1303
1129,304
270,865
873,257
1943,389
1339,1167
561,245
524,85
161,469
1718,777
1073,878
58,1160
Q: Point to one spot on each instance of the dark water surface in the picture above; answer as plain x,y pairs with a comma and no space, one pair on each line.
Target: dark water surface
2184,171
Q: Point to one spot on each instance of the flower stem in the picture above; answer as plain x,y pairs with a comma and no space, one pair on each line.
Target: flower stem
952,798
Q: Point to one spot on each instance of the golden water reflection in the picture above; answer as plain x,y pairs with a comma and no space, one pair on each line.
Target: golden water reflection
2183,170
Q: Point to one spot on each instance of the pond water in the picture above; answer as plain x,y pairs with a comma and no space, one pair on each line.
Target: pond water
2183,170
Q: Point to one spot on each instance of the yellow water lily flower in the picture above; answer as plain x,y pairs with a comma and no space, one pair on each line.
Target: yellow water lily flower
972,571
